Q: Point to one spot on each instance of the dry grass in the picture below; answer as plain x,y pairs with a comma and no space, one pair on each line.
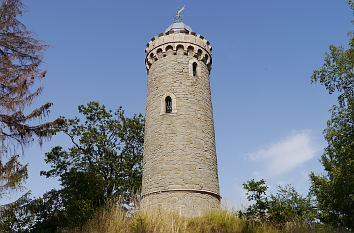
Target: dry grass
114,220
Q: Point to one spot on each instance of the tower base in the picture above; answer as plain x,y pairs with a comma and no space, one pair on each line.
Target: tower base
187,203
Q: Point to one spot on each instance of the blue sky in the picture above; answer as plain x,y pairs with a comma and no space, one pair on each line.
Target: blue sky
268,117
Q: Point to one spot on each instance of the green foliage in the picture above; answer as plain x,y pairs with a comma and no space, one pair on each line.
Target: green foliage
334,190
351,4
256,193
336,74
103,164
12,174
286,206
14,216
107,153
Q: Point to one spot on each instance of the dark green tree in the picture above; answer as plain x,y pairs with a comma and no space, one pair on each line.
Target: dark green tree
334,189
107,151
103,164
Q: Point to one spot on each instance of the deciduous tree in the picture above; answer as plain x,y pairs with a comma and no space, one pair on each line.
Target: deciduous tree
286,206
103,164
334,190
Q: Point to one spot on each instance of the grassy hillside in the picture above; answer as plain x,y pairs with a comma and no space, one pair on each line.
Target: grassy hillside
114,220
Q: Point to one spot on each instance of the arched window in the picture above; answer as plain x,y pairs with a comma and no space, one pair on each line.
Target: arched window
168,102
195,69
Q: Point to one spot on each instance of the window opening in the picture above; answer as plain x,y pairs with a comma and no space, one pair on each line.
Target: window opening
168,102
195,69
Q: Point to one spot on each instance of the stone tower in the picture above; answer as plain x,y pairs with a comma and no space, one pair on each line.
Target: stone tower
180,166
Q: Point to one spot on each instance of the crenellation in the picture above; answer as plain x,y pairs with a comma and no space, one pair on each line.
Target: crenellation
166,40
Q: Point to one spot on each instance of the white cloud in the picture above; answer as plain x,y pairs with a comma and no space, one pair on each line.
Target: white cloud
286,154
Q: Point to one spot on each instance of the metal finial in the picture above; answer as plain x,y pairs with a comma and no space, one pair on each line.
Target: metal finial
178,16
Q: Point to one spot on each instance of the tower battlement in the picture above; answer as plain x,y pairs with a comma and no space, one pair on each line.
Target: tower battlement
169,43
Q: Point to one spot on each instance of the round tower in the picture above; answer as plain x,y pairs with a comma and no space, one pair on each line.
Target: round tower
179,166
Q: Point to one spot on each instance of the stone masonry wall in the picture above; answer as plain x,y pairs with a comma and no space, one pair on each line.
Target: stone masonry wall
182,203
180,165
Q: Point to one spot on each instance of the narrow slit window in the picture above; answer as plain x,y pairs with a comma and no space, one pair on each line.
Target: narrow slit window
168,102
195,69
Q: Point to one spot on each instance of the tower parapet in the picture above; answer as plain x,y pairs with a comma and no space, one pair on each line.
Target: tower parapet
182,40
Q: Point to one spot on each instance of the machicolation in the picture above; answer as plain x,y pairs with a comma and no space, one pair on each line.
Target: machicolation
189,43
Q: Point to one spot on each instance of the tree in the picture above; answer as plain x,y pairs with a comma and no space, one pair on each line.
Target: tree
256,192
20,60
103,164
334,190
14,216
287,205
12,174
